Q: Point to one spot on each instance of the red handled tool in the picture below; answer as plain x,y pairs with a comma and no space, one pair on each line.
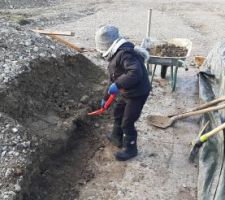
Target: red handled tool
111,98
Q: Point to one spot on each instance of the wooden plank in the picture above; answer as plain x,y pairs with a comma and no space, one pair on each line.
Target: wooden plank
67,43
65,33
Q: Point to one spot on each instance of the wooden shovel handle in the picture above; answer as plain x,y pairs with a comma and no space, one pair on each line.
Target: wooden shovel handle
67,43
205,105
210,103
199,112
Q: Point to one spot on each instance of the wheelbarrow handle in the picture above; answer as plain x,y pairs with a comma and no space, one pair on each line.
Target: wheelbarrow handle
184,64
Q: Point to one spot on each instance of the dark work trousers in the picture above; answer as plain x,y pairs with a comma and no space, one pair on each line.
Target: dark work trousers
126,113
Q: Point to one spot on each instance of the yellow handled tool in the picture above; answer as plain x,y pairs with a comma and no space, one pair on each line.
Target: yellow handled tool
201,139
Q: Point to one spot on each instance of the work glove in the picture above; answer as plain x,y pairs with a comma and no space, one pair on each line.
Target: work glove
113,89
102,103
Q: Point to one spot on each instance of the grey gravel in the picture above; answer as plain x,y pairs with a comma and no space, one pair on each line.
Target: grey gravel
22,46
18,46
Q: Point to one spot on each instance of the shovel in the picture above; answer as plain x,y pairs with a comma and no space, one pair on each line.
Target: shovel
205,105
164,121
203,138
106,106
146,42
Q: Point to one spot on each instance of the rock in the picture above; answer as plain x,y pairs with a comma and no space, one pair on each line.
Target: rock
42,55
71,101
28,43
8,172
26,144
80,105
52,47
97,125
18,171
5,196
16,154
66,125
35,49
80,85
143,165
17,188
8,194
84,99
3,154
14,130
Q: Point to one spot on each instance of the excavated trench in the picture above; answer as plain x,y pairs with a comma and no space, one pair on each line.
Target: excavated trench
51,101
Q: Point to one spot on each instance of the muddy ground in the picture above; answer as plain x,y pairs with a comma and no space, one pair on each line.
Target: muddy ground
86,168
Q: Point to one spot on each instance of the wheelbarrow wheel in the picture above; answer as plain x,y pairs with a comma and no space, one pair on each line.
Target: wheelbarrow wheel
163,71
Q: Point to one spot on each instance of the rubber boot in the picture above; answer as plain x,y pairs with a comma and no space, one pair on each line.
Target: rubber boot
129,148
116,137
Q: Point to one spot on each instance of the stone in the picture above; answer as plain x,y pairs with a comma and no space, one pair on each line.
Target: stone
84,99
3,154
52,47
17,188
9,194
28,43
42,55
16,154
97,125
14,130
8,172
26,144
35,49
5,196
18,171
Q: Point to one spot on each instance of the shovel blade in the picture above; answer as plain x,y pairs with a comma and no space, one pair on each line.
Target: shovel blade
159,121
97,112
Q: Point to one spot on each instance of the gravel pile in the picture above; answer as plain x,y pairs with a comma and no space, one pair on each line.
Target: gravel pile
15,4
19,46
15,150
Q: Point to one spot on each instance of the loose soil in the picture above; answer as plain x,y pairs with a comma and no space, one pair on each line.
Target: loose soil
51,101
169,50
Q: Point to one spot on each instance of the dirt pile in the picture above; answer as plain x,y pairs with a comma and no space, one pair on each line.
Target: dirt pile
45,95
169,50
18,46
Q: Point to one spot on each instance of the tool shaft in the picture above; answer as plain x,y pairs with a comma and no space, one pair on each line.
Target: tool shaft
149,22
205,137
199,112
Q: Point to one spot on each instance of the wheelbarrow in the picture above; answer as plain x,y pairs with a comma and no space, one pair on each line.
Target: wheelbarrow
173,62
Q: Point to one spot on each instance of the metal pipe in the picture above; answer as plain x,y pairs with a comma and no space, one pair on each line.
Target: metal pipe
149,22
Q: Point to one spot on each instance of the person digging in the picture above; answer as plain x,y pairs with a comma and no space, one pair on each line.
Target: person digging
128,79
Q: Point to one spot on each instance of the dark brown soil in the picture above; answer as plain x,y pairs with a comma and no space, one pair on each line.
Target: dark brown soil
169,50
51,100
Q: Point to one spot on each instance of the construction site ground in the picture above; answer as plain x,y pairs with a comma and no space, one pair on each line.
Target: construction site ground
161,171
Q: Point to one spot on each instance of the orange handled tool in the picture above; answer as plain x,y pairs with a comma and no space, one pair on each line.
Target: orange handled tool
111,98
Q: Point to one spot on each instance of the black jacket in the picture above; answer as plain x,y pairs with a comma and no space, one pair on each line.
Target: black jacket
126,68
